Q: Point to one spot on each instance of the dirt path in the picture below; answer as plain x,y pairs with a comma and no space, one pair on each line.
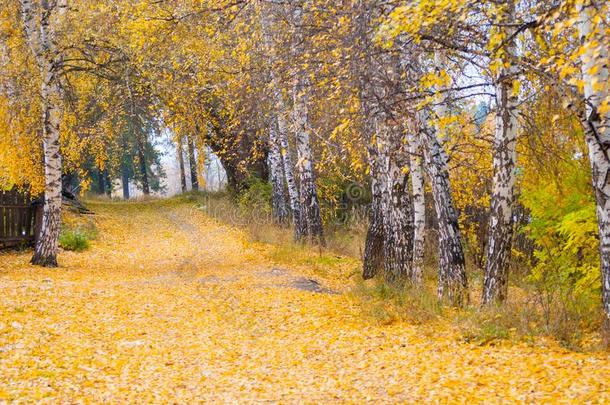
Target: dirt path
274,277
170,306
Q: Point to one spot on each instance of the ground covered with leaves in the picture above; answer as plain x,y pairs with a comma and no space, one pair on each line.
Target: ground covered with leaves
169,305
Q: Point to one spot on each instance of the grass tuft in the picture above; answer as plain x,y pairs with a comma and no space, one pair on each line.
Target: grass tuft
77,232
387,304
73,240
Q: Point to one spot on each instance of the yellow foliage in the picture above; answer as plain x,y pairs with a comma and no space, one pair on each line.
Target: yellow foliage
471,171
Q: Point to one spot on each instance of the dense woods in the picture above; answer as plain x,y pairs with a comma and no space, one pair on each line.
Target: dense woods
476,133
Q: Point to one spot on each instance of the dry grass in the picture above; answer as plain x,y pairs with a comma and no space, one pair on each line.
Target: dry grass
343,240
528,316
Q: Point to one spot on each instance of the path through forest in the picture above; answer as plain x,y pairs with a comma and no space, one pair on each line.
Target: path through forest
169,304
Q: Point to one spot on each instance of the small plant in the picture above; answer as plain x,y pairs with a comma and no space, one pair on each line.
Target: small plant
256,198
564,281
387,304
492,324
73,240
76,233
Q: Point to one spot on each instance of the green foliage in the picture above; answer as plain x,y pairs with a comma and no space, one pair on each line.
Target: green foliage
564,228
77,237
565,270
256,196
73,240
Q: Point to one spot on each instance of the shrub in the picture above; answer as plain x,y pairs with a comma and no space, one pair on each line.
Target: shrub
256,197
77,232
565,278
74,240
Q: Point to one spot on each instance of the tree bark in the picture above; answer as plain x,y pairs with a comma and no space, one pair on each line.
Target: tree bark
125,181
42,42
180,153
142,163
452,280
280,110
419,206
279,204
397,206
362,66
499,244
389,240
293,191
396,203
373,258
597,136
193,164
47,245
311,218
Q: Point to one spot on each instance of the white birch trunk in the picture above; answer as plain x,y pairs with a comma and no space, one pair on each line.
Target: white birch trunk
452,280
39,24
280,112
389,239
362,67
278,196
597,135
312,221
47,244
291,184
372,261
499,244
419,206
396,203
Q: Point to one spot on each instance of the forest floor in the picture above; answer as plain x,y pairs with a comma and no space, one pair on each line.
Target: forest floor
169,305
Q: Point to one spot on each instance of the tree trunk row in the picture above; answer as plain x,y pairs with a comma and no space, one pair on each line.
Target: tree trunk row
303,196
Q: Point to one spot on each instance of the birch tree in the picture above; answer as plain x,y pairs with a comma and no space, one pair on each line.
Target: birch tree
374,243
596,121
452,280
504,160
279,112
389,240
40,21
190,143
310,215
180,153
419,203
362,66
396,204
279,204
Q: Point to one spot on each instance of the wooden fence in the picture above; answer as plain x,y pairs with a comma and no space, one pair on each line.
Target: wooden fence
18,219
